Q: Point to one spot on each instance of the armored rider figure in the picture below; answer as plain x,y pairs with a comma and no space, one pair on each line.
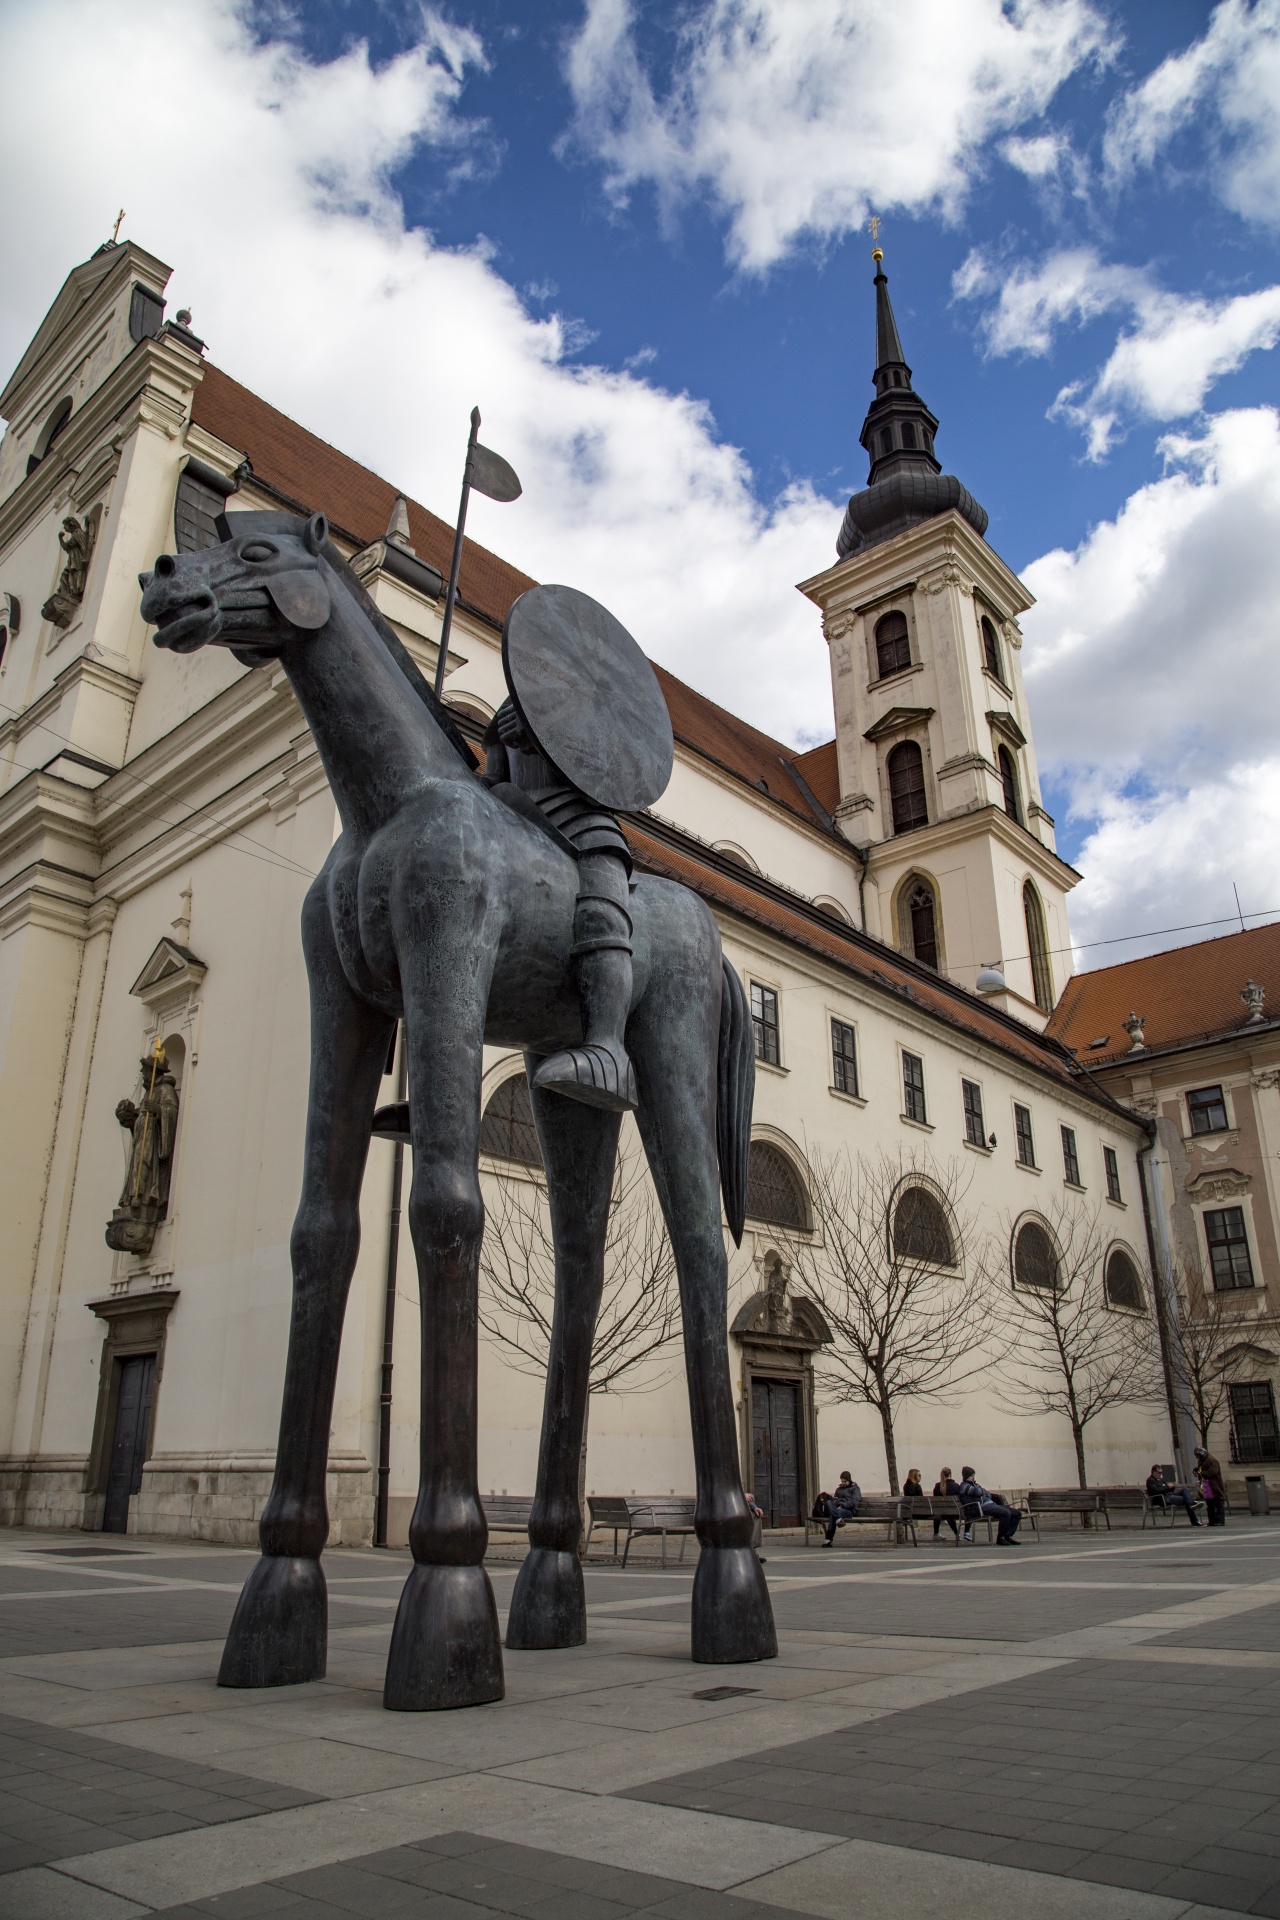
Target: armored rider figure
585,731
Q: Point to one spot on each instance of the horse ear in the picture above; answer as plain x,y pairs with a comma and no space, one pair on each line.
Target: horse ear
302,597
317,532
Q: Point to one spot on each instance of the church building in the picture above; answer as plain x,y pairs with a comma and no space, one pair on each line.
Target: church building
892,900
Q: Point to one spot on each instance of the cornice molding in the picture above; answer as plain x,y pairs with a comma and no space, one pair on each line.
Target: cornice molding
945,541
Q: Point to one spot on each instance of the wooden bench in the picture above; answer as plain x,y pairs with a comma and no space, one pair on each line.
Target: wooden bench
1138,1500
1085,1501
874,1510
939,1506
638,1515
507,1512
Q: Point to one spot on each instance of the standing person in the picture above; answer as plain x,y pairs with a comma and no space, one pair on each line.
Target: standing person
1161,1494
991,1507
911,1487
947,1488
845,1501
1209,1473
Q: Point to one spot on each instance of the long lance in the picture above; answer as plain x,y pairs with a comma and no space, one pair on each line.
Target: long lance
456,562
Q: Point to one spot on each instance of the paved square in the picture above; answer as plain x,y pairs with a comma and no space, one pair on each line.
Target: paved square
1088,1726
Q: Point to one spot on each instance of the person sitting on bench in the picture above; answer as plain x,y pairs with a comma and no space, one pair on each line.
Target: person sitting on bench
1161,1494
841,1504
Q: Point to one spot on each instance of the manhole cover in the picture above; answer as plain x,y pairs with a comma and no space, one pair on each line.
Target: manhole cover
91,1553
722,1693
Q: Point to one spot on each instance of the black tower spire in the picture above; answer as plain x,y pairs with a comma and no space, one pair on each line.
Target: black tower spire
906,484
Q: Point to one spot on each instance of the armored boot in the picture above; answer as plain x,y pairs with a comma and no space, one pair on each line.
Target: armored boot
599,1072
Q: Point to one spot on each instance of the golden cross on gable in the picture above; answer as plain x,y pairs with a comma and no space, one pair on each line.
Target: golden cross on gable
115,231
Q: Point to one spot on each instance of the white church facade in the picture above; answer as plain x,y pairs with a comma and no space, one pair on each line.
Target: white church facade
892,899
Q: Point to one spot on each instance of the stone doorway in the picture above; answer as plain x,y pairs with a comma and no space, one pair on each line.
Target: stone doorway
135,1390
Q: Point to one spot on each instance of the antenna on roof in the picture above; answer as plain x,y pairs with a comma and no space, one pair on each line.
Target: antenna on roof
115,231
1235,889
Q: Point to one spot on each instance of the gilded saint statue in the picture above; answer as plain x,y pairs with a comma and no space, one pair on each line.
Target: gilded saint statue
152,1124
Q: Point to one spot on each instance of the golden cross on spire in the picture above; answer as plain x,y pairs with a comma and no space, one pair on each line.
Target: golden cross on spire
873,227
115,231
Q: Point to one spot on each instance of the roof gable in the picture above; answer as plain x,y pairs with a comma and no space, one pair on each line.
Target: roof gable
1184,994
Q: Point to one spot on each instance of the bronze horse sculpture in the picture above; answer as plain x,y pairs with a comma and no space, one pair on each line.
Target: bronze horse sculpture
443,907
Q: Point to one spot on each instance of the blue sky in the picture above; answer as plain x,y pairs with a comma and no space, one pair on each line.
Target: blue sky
635,234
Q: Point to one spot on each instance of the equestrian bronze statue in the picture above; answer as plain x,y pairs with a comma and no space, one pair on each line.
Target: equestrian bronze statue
496,909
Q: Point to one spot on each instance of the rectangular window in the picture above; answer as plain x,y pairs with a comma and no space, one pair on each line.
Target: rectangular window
1025,1137
1254,1434
1070,1158
844,1058
1208,1110
1228,1248
913,1088
1112,1166
764,1019
975,1131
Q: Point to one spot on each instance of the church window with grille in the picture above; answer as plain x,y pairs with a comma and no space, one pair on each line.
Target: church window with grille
775,1191
1123,1282
1255,1436
764,1022
844,1057
907,799
991,650
1009,784
919,916
1228,1245
1035,1258
893,644
920,1229
507,1131
913,1103
1038,949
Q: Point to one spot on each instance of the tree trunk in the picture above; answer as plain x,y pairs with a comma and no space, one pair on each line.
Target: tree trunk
890,1450
1077,1434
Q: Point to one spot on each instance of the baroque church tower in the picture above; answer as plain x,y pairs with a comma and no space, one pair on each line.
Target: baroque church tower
938,783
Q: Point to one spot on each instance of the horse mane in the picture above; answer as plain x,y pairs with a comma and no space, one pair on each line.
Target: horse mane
399,653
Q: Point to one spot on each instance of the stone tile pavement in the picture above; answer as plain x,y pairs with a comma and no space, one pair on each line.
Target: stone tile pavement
1080,1728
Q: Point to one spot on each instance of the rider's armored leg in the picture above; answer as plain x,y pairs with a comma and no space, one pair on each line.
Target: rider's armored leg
599,1072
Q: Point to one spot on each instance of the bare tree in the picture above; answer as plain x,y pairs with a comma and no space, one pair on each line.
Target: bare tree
896,1268
1199,1339
1073,1352
639,1319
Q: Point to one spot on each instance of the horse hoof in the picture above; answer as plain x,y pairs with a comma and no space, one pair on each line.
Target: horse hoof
549,1605
280,1629
732,1613
445,1647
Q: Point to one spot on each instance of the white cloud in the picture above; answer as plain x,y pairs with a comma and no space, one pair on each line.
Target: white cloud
1229,81
275,202
796,120
1153,672
1160,369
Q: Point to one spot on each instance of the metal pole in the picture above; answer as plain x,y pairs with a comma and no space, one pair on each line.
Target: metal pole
389,1319
456,562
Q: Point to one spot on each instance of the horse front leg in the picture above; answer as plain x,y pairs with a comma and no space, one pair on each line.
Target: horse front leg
579,1149
675,1048
445,1647
279,1633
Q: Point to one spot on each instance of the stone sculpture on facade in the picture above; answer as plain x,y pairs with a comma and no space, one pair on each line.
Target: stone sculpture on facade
460,905
77,541
152,1124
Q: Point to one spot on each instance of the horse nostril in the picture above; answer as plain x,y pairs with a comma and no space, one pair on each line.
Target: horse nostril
165,565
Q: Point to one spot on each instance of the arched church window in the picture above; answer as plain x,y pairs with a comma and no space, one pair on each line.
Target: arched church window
1123,1282
908,434
775,1191
991,649
893,644
1038,948
506,1129
886,441
1035,1258
921,1230
52,428
918,919
907,799
1009,781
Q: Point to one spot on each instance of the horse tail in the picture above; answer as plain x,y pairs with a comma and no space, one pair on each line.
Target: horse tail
735,1094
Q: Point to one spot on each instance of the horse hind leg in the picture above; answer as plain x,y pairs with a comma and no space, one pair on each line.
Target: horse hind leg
279,1632
579,1148
675,1044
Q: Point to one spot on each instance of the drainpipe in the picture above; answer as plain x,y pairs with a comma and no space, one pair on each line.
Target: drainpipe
1166,1298
389,1317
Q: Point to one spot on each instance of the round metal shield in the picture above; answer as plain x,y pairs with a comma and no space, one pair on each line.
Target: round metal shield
588,696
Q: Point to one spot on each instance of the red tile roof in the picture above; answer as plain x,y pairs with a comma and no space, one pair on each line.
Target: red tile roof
314,475
1186,994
